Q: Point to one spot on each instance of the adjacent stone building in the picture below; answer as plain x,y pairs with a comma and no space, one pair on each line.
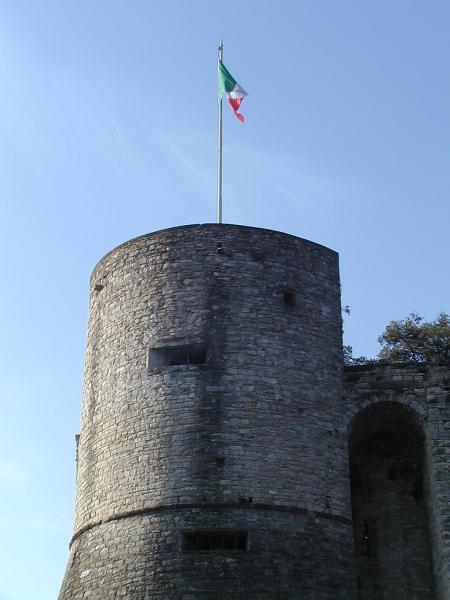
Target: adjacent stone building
398,424
224,452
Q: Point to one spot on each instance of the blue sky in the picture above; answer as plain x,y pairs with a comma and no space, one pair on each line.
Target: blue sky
108,131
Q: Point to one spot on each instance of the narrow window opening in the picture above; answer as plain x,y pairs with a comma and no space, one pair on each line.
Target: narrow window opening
77,446
177,355
289,298
215,540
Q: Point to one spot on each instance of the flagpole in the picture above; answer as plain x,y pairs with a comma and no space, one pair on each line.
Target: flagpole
219,149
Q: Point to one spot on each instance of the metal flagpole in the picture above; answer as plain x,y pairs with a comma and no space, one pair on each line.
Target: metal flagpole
219,149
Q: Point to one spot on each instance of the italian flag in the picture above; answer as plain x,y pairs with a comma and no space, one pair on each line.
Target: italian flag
229,86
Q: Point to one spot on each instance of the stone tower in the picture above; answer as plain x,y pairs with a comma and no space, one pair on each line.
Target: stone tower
212,458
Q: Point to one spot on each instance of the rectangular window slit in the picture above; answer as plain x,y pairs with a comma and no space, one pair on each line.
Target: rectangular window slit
176,355
215,540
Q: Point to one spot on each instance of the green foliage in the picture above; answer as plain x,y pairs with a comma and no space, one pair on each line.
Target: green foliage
415,340
350,360
348,355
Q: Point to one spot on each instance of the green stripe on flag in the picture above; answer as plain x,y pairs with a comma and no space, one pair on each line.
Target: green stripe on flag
226,80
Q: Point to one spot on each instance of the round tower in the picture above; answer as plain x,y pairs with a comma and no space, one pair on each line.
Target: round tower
212,457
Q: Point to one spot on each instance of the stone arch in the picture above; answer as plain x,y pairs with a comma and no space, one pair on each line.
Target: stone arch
407,400
390,521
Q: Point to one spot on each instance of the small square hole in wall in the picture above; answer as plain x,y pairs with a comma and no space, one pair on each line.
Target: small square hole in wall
289,298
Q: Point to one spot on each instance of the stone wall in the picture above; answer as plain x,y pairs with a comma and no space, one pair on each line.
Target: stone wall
251,437
398,507
291,555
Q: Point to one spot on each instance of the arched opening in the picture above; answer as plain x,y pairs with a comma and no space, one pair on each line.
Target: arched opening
390,523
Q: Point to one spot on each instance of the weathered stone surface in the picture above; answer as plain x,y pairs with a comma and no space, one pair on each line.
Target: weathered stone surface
256,433
289,556
254,437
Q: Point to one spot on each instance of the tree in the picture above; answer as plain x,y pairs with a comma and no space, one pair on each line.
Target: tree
348,355
351,361
415,340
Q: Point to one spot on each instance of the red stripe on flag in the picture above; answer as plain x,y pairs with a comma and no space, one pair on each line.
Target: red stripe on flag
235,104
